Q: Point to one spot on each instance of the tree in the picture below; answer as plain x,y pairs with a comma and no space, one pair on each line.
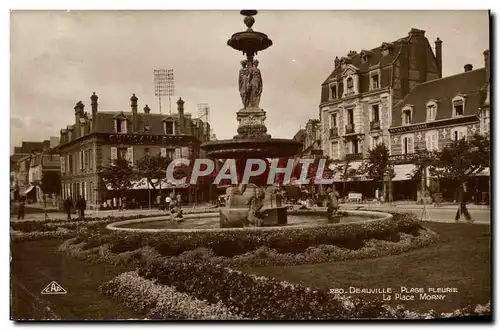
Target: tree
462,158
346,173
378,166
49,184
427,161
118,175
153,169
457,161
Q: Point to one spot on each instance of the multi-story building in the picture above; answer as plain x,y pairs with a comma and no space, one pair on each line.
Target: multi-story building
432,115
310,137
21,162
357,98
97,139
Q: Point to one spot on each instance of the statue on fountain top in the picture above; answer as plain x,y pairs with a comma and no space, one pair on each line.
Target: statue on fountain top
256,85
244,83
250,84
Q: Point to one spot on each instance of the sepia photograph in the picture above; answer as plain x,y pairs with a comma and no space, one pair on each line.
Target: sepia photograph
250,165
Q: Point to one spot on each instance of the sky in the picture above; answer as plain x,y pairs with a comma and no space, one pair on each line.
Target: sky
58,58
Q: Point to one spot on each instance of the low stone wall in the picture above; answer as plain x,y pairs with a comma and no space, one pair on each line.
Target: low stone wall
118,226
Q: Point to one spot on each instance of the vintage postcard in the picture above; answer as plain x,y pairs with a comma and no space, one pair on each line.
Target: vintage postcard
250,165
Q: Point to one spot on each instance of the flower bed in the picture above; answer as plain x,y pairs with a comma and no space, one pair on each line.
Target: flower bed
265,256
230,243
263,298
162,302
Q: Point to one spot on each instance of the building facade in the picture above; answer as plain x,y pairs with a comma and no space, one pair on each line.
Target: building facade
22,164
434,114
95,140
358,97
310,137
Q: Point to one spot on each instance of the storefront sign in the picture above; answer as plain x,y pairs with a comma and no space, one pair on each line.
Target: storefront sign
147,139
433,124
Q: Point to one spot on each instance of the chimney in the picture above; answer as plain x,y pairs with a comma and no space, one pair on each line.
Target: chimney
416,32
467,67
133,105
486,54
336,61
147,109
180,110
78,113
93,104
439,57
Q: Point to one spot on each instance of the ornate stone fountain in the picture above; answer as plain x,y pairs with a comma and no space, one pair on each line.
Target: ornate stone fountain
255,204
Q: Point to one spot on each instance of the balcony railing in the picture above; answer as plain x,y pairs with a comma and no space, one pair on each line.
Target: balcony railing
334,132
375,125
349,128
351,157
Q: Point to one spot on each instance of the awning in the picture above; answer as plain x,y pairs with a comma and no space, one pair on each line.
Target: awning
485,172
144,184
28,189
338,176
403,172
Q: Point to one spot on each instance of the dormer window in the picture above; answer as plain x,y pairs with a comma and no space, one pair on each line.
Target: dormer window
375,80
333,91
431,110
169,127
121,124
406,116
386,48
350,85
458,105
364,58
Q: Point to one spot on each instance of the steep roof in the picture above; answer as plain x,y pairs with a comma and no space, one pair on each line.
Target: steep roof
375,57
468,84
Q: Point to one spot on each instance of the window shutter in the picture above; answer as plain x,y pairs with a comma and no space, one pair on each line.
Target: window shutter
63,164
124,126
130,155
428,141
185,152
461,134
177,153
114,125
434,141
114,153
164,152
410,144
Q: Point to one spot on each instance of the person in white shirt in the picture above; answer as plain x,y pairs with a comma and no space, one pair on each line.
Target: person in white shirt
168,201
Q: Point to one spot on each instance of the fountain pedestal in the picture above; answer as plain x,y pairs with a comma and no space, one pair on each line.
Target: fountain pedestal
251,124
237,212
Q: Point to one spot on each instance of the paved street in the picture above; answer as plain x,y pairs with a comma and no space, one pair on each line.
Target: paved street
445,213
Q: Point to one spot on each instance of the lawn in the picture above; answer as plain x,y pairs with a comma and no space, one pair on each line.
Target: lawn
461,260
35,264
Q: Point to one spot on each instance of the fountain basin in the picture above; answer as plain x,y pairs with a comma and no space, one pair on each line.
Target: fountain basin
209,222
252,148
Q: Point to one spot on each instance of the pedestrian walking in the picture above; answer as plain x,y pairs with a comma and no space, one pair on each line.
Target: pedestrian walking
168,203
21,209
81,204
67,206
462,208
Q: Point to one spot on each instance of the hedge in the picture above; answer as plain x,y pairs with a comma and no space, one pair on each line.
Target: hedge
291,240
162,302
